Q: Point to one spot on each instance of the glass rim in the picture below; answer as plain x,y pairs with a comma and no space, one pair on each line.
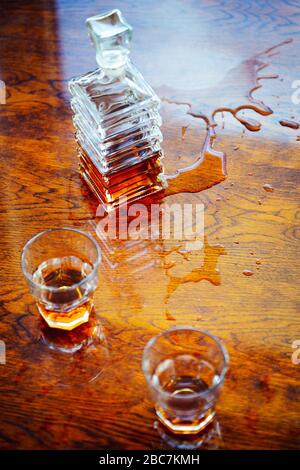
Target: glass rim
217,340
28,244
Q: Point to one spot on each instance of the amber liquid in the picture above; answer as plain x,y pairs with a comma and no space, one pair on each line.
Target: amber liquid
63,274
136,181
181,377
185,385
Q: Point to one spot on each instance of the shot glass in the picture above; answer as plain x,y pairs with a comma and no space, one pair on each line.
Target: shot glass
61,268
185,369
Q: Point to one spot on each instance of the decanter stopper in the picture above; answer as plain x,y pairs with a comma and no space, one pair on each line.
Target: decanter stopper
111,35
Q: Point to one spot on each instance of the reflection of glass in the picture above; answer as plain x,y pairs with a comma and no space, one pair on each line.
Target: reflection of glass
66,358
78,356
185,369
71,342
61,267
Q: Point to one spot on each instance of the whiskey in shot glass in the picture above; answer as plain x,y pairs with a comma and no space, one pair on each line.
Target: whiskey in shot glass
185,369
61,268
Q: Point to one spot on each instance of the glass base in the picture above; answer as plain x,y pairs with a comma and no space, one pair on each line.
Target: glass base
66,320
185,427
209,439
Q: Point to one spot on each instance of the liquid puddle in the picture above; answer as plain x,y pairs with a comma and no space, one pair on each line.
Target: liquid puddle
239,84
207,271
197,177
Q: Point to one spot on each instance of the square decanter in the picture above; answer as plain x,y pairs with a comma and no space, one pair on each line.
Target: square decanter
117,120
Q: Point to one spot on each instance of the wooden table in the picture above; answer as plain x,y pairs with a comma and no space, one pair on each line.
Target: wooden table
185,46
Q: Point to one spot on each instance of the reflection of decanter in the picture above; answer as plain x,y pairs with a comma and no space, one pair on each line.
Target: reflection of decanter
116,119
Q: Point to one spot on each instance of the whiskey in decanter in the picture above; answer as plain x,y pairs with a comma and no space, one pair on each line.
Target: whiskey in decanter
117,120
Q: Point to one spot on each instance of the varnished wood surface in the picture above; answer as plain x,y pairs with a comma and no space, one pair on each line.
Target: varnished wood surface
184,45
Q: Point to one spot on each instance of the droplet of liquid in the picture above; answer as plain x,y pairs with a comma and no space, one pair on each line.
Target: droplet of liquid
169,316
290,124
248,272
183,131
268,188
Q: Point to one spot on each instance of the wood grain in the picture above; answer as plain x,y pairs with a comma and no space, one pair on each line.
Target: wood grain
177,44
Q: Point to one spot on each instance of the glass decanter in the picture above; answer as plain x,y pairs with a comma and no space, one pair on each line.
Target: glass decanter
117,120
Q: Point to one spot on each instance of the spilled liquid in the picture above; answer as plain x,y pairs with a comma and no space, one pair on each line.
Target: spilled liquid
183,131
234,95
268,188
207,271
248,272
169,316
289,123
198,177
236,89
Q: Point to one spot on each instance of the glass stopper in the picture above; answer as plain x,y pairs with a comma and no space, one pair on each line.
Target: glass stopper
111,35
